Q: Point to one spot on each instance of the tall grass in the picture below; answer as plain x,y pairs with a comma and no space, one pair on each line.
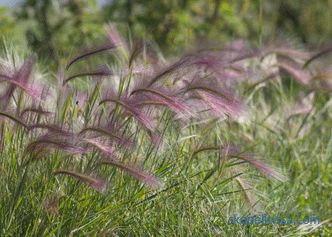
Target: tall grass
137,146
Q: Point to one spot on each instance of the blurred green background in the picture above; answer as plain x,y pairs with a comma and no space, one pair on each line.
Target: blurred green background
56,29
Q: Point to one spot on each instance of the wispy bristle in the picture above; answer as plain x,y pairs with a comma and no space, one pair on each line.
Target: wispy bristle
130,107
23,74
52,129
318,55
29,89
217,99
110,133
90,52
162,96
288,52
246,191
138,47
14,119
169,70
96,183
20,79
103,71
144,177
35,110
259,165
101,146
296,72
67,144
114,36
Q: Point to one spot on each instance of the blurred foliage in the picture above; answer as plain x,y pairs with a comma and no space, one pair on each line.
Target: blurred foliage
177,23
6,21
56,28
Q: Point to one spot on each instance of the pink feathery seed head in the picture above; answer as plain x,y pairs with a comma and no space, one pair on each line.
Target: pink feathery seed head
156,140
234,152
56,138
238,45
10,116
208,61
94,182
231,106
326,51
135,52
111,133
142,70
231,73
175,68
24,72
102,146
32,90
20,79
323,77
102,71
110,93
221,66
292,53
159,95
48,143
287,50
34,109
302,107
236,51
143,118
36,90
135,172
130,107
114,36
298,73
53,130
90,52
216,98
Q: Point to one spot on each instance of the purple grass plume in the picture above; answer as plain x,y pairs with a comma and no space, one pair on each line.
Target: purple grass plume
101,72
142,176
217,99
264,168
97,184
129,104
89,53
